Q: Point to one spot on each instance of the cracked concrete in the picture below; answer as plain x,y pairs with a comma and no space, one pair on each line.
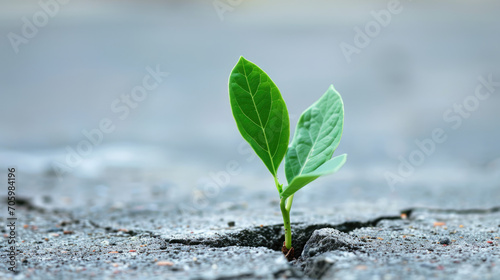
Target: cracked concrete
134,242
238,233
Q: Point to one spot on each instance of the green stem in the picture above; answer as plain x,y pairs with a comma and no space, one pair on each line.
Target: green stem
278,185
286,222
289,203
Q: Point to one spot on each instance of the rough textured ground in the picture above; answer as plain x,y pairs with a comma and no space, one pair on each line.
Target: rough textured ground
227,242
122,227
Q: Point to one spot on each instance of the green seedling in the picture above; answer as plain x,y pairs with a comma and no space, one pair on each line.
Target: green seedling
262,119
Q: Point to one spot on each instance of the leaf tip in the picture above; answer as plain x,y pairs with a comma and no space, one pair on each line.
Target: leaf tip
344,157
242,59
332,88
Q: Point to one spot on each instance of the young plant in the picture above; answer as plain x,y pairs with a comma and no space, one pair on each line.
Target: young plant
262,119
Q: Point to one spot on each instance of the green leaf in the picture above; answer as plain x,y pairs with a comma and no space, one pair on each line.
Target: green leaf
260,113
329,167
316,137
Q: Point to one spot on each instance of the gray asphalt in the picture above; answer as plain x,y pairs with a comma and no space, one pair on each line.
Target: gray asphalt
233,240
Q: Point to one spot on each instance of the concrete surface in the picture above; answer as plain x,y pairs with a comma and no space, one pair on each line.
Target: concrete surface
228,240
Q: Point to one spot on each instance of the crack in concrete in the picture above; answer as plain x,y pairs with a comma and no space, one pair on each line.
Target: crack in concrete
272,236
491,210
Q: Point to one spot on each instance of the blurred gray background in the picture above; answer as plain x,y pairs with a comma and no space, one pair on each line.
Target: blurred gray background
66,77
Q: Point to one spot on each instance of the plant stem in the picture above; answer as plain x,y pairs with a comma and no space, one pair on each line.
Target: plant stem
289,203
278,185
286,222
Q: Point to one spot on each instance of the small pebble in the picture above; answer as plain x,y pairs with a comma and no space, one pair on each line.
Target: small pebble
445,241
